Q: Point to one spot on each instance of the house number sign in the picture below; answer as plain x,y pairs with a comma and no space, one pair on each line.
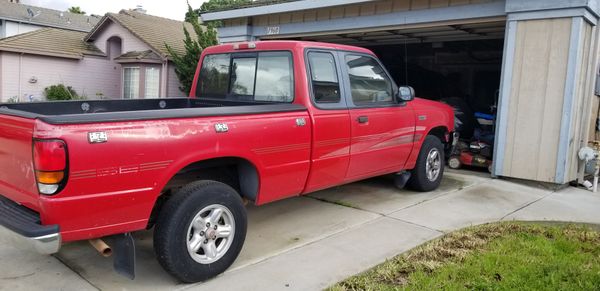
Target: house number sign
272,30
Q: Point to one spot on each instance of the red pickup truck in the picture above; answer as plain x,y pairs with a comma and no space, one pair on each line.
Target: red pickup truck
264,121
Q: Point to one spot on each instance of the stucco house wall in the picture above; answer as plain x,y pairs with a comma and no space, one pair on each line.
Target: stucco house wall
94,77
129,41
173,83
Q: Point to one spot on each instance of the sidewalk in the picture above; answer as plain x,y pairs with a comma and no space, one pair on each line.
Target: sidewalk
311,242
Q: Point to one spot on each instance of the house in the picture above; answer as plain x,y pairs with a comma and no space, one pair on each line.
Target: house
124,56
532,64
18,18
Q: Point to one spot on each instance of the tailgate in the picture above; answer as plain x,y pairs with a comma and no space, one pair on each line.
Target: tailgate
17,180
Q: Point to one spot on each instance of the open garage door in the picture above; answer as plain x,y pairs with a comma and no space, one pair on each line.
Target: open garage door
459,64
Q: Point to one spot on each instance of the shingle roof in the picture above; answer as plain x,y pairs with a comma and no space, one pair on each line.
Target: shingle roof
139,55
51,42
47,17
153,30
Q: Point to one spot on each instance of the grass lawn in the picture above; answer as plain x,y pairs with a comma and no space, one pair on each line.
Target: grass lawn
502,256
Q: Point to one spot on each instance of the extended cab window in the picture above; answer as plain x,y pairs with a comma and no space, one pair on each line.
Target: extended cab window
323,72
261,77
369,83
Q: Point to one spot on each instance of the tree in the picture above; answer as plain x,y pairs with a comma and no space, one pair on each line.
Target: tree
213,5
185,65
76,10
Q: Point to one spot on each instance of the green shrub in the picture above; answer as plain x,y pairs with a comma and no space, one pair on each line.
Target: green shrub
60,92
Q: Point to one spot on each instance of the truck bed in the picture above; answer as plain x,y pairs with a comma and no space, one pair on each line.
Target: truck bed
111,186
92,111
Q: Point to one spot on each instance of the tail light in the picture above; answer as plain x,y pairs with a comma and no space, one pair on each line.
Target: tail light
50,161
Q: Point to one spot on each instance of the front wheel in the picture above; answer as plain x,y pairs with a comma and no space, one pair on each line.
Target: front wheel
428,172
200,231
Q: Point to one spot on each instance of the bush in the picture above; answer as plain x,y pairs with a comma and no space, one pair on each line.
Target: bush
60,92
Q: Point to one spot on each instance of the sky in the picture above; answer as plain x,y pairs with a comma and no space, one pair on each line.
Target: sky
174,9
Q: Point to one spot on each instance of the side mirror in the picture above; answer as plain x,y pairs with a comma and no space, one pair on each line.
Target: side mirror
405,94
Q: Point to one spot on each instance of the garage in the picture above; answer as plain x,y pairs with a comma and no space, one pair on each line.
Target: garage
459,64
521,74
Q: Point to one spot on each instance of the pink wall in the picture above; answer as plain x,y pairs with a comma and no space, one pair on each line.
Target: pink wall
173,83
88,76
129,41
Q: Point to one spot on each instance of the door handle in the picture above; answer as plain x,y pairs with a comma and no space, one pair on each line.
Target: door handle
363,119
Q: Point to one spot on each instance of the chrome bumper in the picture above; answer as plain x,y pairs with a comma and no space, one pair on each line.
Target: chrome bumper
45,245
25,230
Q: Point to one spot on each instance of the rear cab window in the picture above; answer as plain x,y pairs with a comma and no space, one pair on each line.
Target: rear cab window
261,77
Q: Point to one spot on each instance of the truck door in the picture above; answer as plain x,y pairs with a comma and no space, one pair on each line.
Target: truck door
331,121
382,128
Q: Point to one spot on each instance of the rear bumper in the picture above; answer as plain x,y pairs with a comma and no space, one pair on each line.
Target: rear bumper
25,228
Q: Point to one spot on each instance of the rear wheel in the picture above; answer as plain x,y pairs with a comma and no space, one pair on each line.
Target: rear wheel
200,231
428,172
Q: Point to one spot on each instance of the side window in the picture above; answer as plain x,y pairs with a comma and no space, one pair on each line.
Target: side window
243,74
323,73
369,83
214,76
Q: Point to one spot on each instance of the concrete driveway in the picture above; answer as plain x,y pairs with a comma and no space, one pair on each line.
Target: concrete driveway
309,243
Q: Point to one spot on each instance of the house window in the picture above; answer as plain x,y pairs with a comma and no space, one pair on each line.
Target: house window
131,83
152,82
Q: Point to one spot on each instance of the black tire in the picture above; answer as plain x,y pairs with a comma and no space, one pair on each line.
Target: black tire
419,180
175,220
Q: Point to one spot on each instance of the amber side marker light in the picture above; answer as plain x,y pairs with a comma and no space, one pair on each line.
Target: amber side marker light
50,161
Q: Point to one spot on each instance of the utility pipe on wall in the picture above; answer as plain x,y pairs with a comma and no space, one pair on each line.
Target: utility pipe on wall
20,73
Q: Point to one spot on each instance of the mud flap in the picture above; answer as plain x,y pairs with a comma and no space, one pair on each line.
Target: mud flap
400,179
124,261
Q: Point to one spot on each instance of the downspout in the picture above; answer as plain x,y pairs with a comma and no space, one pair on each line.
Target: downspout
165,78
20,73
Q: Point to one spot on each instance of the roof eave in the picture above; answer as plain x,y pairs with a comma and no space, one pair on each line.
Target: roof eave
42,53
144,61
100,55
275,8
44,24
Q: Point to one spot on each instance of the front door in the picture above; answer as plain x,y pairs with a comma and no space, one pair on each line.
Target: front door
382,128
